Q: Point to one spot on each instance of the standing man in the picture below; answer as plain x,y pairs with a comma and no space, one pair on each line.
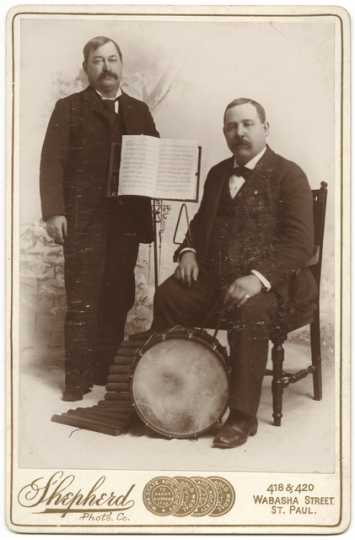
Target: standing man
100,234
252,233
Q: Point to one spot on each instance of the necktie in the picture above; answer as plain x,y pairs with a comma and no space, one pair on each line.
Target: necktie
110,104
237,179
242,171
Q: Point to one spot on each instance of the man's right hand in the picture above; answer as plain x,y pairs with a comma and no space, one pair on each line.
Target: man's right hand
57,228
187,270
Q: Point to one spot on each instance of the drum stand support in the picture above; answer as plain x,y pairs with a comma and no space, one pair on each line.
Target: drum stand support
159,214
156,210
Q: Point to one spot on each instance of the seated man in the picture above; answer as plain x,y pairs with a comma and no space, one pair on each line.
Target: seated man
252,232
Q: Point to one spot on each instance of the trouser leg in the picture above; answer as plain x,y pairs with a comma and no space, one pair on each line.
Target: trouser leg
176,303
117,298
100,287
82,275
248,342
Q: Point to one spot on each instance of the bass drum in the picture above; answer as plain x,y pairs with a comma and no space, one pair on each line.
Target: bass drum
180,382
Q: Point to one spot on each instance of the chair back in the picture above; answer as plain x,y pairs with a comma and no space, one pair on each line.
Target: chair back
319,209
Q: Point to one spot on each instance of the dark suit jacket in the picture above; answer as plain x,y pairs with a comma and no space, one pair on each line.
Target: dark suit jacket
278,210
74,160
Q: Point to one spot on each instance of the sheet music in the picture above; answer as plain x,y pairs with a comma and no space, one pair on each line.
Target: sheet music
139,165
158,168
178,161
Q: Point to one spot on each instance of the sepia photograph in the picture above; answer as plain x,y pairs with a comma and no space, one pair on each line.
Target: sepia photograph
178,187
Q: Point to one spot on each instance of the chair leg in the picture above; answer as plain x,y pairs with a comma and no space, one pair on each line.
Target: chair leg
277,356
316,358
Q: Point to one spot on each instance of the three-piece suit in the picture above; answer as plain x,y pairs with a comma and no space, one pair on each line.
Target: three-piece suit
101,247
267,227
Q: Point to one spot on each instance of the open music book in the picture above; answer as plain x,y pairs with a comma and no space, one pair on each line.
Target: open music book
159,168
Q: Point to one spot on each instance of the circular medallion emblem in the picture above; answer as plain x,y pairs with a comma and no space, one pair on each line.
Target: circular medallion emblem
225,496
189,496
207,496
162,496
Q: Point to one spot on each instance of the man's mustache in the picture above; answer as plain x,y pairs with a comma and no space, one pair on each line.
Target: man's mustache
110,73
241,142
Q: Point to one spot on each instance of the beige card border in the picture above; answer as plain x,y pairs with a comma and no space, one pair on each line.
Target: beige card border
256,12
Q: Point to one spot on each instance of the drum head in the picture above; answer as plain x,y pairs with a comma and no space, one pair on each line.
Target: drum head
180,387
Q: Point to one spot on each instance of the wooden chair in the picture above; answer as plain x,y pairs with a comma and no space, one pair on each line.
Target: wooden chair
281,378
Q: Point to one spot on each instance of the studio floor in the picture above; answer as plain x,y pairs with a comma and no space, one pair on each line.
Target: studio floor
304,443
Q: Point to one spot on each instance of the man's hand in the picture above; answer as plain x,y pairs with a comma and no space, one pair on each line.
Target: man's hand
241,290
57,228
187,270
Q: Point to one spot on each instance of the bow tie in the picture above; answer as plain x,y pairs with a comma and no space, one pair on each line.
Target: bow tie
242,171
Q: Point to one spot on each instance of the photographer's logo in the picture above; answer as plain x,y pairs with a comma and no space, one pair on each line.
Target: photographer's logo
60,495
195,496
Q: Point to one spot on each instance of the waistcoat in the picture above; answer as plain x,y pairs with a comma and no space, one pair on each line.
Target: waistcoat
243,231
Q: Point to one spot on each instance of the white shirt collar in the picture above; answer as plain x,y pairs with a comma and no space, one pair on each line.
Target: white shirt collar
253,162
119,92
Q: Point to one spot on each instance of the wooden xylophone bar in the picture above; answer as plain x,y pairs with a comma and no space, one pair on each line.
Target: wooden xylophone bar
113,415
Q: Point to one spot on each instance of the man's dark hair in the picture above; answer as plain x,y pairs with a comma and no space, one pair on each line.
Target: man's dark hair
242,101
97,42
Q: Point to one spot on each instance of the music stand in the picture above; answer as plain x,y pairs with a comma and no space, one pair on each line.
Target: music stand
157,214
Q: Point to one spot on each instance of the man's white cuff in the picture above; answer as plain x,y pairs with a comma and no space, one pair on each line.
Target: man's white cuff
187,249
263,279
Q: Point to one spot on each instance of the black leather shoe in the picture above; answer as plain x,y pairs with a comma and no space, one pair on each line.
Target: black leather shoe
76,385
72,393
75,393
235,432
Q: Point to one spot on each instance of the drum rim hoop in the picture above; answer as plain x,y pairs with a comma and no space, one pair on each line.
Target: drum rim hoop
193,333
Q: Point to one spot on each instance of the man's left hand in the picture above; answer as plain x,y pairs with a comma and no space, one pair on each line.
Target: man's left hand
241,290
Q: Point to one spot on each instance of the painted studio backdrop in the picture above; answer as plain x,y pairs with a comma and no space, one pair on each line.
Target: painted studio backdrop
186,71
